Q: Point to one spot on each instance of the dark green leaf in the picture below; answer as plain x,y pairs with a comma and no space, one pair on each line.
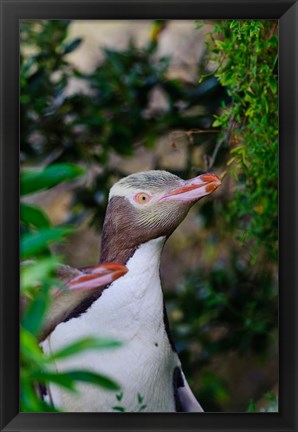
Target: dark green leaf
35,312
62,379
273,84
251,406
93,378
33,216
140,398
34,243
119,408
30,347
83,345
72,45
30,402
34,180
119,396
36,272
68,379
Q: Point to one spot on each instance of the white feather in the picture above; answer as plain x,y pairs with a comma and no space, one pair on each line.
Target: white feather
130,310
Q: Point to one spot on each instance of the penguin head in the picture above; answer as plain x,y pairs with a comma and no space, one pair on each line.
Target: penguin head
148,205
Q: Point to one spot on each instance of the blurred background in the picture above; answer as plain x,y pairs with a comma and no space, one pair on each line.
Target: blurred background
117,97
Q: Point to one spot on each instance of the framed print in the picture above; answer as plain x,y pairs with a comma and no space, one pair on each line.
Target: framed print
148,215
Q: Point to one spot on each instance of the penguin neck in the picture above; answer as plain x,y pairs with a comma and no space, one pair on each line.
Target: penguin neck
117,244
137,297
114,248
144,268
143,277
122,236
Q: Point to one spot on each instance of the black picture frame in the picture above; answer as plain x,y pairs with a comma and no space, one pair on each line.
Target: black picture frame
283,10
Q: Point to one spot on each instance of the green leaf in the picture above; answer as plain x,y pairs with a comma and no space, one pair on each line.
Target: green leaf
273,85
234,24
217,122
30,402
33,216
71,46
34,314
34,243
270,396
140,398
30,348
83,345
94,378
199,25
220,44
119,396
68,379
62,379
35,273
119,408
33,180
251,406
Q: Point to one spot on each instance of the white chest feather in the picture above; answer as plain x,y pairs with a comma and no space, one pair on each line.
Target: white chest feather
130,310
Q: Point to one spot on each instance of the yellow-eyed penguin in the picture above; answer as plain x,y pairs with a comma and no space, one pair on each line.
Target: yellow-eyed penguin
78,285
143,211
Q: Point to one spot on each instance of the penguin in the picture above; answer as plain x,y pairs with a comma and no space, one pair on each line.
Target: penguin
143,211
77,284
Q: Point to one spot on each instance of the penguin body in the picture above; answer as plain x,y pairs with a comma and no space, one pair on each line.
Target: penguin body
133,307
144,209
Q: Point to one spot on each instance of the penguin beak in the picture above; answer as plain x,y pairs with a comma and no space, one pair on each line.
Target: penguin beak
97,276
194,189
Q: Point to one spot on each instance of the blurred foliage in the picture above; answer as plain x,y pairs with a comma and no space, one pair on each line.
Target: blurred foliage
229,302
270,404
217,311
139,407
112,116
216,302
246,54
38,279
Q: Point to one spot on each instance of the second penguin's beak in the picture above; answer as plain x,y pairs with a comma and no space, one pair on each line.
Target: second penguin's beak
97,276
194,189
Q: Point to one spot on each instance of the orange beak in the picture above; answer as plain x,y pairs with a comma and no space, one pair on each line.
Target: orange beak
97,276
194,189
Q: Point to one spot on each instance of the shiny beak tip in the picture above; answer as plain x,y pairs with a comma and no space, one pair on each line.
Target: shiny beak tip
111,267
211,187
120,271
210,178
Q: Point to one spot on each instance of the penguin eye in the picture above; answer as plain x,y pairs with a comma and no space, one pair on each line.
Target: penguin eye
142,198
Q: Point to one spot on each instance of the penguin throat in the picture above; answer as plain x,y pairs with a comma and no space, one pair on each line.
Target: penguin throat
147,255
134,301
122,251
138,295
121,256
143,269
143,264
